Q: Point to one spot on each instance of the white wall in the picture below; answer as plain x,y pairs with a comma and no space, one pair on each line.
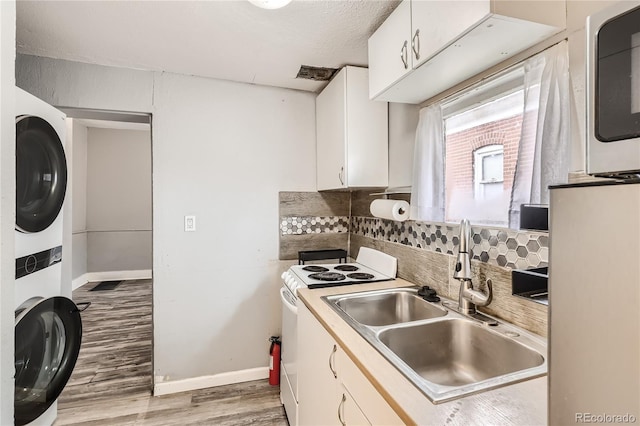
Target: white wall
75,84
221,151
118,200
110,177
7,207
403,120
77,144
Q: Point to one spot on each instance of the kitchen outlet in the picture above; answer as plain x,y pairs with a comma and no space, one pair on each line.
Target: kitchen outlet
189,223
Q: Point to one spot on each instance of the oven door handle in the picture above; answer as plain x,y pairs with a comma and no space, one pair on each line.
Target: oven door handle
287,303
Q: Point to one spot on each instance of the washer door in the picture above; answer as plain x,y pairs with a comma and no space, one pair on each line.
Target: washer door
47,336
41,174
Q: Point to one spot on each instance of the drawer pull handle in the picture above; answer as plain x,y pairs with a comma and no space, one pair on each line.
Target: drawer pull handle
331,359
415,44
341,409
404,55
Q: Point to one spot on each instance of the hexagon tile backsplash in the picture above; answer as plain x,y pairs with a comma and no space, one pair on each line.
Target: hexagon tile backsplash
503,247
298,225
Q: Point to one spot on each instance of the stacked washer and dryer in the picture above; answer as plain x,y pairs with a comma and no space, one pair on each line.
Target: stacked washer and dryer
48,328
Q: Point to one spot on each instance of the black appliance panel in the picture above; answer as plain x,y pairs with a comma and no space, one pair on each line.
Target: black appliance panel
41,174
35,262
48,333
618,53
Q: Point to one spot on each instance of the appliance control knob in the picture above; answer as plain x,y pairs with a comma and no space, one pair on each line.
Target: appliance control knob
30,264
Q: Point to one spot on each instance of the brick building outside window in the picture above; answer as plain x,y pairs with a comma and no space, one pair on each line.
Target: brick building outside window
481,151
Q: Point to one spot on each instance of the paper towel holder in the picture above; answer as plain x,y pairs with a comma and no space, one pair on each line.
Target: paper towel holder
391,209
394,190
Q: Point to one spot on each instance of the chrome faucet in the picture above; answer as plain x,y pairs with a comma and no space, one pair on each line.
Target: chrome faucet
468,298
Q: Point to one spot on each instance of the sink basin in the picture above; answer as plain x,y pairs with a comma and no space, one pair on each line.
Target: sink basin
444,354
388,307
458,352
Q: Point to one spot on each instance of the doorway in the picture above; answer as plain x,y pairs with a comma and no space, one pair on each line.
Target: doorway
111,251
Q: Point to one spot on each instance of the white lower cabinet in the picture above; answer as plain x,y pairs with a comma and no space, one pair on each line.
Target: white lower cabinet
318,394
369,401
331,388
349,413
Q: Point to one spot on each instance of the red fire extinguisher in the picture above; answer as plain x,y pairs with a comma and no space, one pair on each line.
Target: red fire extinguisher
274,361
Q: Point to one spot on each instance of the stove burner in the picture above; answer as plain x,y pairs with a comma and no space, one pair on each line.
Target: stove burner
348,268
328,276
312,268
360,276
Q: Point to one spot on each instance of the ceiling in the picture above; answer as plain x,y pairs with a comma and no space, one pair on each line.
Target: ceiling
224,39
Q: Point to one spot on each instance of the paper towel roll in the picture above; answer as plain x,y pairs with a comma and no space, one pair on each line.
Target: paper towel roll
390,209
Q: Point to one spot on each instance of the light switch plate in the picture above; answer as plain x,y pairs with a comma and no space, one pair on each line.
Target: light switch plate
189,223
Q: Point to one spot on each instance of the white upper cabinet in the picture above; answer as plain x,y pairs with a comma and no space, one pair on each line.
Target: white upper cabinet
450,41
389,49
435,24
352,134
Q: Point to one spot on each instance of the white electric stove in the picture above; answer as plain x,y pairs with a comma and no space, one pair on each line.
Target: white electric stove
370,266
329,275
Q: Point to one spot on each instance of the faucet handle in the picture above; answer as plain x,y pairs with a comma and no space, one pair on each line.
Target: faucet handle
479,298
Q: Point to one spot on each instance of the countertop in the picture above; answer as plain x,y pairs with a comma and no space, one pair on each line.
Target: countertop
523,403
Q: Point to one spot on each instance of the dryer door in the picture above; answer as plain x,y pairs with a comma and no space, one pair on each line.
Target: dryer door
41,174
47,341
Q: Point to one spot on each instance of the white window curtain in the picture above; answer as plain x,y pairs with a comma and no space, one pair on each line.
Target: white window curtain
546,124
427,191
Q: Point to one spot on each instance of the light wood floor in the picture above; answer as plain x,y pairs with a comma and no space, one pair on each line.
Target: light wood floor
111,383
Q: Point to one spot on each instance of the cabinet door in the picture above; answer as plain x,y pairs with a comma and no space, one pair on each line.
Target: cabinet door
330,134
435,24
369,401
318,395
390,50
349,414
367,134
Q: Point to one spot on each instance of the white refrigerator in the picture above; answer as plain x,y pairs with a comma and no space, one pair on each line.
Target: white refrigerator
594,304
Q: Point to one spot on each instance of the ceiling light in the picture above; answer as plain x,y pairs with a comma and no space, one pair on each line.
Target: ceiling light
270,4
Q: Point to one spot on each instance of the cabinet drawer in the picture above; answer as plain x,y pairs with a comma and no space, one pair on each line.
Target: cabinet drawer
376,409
349,413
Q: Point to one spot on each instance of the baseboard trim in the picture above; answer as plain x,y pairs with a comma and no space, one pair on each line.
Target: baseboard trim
202,382
79,282
141,274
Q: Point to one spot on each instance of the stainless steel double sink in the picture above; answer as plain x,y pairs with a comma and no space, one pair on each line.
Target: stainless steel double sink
443,353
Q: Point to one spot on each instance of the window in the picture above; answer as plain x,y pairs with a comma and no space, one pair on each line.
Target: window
484,152
482,139
488,172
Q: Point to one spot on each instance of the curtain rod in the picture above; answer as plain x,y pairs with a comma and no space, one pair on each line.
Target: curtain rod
497,69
